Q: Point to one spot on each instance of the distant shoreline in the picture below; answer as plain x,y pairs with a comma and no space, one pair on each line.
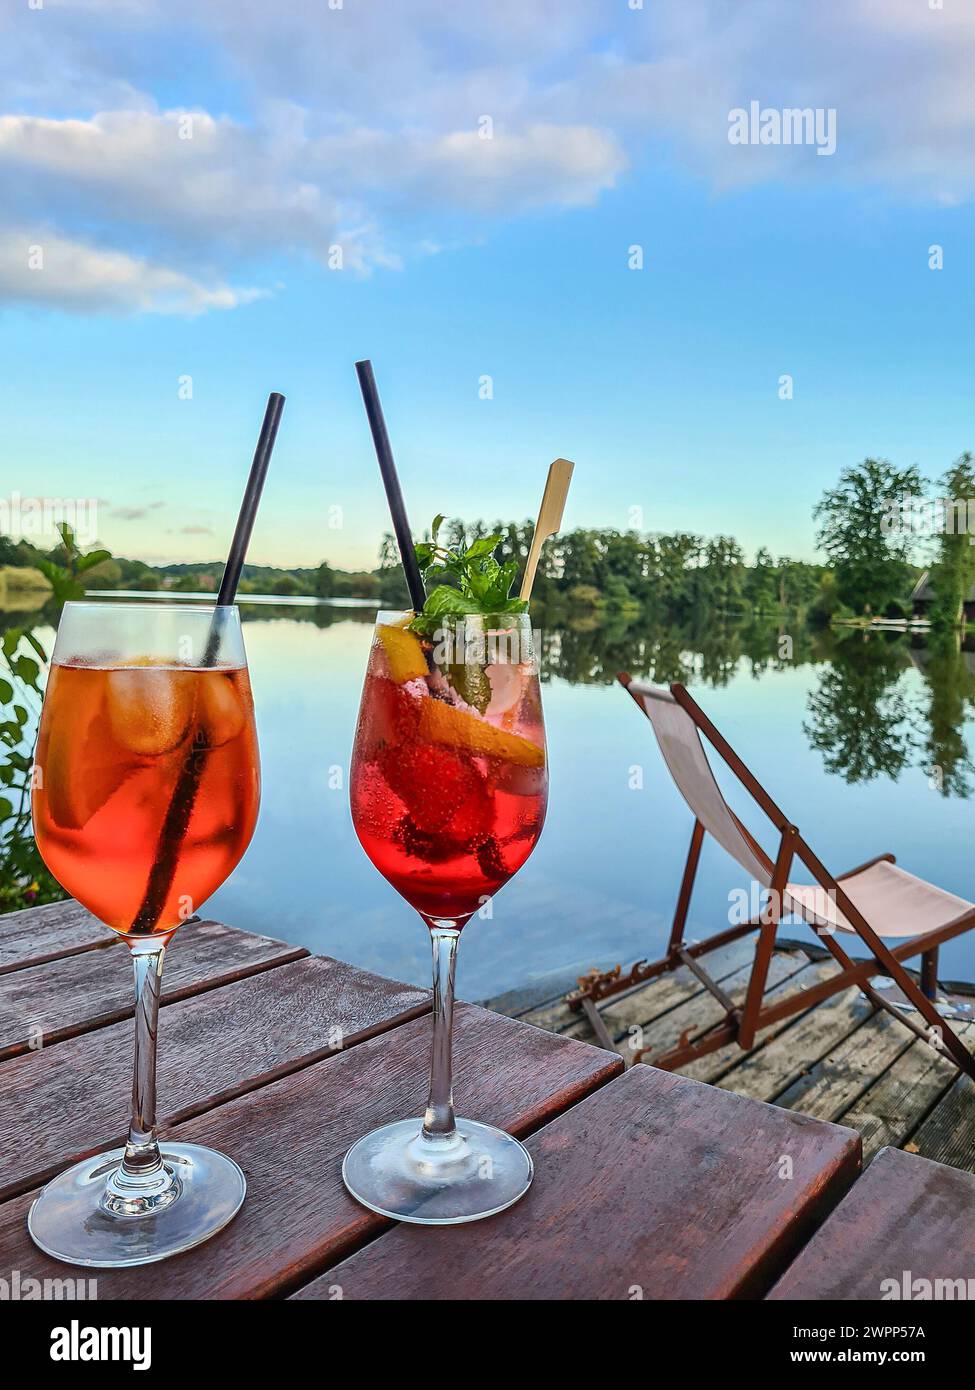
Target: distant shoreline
289,600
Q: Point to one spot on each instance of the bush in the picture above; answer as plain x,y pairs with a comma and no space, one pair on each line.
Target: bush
585,595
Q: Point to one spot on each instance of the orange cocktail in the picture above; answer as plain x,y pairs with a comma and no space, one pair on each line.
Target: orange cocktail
115,745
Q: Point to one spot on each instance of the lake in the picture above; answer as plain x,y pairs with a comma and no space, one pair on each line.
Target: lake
865,742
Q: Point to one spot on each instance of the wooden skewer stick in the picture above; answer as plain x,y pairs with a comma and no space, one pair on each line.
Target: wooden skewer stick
549,517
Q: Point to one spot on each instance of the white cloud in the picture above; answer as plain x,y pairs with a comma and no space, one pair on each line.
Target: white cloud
359,126
897,73
203,190
53,272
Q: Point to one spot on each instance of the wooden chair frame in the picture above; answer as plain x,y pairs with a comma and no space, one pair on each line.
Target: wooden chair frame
742,1022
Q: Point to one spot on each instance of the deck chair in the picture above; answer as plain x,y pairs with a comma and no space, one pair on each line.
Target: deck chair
877,899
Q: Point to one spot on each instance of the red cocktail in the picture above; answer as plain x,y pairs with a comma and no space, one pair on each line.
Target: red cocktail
449,788
448,796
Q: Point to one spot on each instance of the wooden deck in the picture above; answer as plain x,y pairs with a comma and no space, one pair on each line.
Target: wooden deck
647,1185
842,1060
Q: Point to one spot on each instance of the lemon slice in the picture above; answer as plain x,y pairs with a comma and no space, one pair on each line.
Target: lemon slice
441,723
404,655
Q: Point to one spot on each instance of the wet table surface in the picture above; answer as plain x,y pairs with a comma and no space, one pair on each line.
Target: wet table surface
647,1184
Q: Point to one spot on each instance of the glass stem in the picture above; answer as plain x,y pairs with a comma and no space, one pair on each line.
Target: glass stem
438,1122
142,1183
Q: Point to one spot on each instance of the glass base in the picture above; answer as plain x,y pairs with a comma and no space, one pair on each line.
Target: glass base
398,1172
71,1221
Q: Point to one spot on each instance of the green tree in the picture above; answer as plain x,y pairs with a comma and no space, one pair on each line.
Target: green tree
867,552
324,582
286,585
24,879
762,583
953,571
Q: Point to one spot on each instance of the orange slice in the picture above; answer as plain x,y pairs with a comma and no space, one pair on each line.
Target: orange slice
404,655
81,766
441,723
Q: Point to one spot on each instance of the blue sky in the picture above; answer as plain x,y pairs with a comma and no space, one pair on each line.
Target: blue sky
207,257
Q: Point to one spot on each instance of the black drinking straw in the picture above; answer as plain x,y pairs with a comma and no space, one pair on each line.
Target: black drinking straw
394,496
180,809
252,498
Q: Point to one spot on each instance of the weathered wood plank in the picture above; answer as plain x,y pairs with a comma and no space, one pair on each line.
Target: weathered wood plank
655,1187
644,1002
788,1059
44,1004
906,1217
948,1134
889,1112
39,934
290,1138
67,1101
652,1001
832,1085
714,1066
689,1020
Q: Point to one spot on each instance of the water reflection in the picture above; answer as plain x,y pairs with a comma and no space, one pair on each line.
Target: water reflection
861,718
826,719
864,715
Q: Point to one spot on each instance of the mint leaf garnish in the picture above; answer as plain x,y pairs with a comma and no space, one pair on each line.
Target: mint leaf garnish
477,582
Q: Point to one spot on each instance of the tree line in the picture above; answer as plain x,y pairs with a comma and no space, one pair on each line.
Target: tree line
673,575
875,527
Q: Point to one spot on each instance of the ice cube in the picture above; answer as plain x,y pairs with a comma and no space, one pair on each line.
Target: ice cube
507,686
221,710
150,707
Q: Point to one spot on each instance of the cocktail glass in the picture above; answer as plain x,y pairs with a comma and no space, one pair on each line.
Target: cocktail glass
146,791
449,788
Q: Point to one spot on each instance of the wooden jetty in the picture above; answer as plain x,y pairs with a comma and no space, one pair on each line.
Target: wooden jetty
842,1060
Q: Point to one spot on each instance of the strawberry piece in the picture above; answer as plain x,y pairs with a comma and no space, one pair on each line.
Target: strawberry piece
443,792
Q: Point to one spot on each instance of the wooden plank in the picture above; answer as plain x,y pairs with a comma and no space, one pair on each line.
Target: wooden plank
44,1004
788,1059
714,1066
689,1020
64,1102
38,934
890,1111
290,1138
948,1134
906,1219
644,1002
656,1187
832,1085
652,1001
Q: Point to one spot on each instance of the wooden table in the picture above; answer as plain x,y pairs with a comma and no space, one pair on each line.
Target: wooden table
648,1185
908,1220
